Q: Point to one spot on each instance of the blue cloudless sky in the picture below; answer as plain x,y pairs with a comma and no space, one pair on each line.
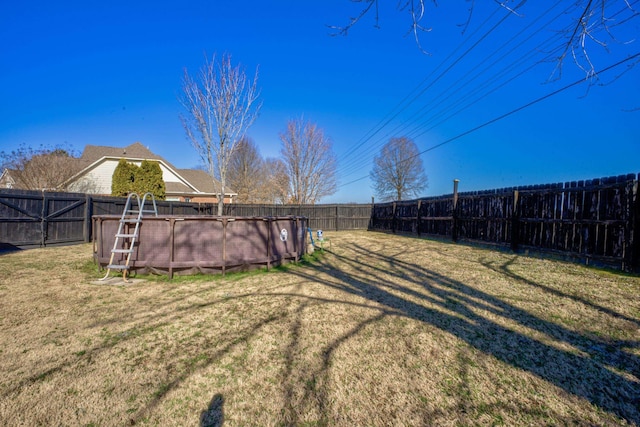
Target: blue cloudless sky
74,73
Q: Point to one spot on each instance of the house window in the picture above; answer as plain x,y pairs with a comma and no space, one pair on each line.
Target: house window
187,199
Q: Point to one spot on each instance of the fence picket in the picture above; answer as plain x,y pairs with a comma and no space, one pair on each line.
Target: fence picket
593,220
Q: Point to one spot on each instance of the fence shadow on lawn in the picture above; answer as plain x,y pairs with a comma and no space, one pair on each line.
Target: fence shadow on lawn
586,377
360,274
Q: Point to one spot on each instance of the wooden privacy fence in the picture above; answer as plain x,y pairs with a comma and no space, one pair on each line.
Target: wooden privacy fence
324,217
36,218
595,220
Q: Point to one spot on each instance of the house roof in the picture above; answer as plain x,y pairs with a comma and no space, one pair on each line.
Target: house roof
201,180
198,179
136,150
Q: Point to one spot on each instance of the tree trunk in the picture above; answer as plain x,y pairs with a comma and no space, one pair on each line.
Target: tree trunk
221,201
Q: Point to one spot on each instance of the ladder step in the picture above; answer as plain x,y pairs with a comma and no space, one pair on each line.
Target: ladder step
117,267
131,220
122,251
126,235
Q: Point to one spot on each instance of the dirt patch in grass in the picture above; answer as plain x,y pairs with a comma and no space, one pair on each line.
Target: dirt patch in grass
382,330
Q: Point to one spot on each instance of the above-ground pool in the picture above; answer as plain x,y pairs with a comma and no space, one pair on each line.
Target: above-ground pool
207,244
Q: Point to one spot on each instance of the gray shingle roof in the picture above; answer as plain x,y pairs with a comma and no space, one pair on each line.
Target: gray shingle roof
198,178
136,150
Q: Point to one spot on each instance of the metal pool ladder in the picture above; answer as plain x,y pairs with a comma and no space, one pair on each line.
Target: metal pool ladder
130,215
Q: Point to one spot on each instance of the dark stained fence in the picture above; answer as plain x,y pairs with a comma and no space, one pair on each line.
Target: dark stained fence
35,218
434,216
595,220
592,219
324,217
486,216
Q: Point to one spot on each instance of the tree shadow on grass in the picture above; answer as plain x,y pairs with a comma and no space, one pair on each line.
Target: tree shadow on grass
413,291
598,371
505,269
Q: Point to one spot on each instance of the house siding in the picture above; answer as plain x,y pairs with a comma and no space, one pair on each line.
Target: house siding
181,184
98,178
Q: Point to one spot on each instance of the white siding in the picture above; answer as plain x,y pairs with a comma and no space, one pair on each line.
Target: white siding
98,179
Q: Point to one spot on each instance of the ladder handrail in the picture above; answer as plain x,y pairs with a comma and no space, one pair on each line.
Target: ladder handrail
128,209
153,199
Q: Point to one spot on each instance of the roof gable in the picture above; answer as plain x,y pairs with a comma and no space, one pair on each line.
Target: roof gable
136,150
198,179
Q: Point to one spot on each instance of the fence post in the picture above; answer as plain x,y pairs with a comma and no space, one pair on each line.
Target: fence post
393,218
454,214
337,226
224,245
371,213
634,221
88,213
515,223
418,217
43,220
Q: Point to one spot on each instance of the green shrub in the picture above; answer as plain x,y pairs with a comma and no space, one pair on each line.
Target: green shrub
122,182
130,178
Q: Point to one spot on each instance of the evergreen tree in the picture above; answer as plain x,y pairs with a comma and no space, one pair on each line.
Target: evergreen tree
129,178
152,182
123,179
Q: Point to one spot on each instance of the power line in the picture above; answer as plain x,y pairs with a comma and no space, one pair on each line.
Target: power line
509,113
455,88
412,129
385,121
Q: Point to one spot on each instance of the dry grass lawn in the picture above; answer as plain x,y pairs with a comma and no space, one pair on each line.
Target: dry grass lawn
384,330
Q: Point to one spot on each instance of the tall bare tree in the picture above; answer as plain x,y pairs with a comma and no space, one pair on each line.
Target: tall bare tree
276,188
398,171
246,173
40,168
221,104
255,179
310,162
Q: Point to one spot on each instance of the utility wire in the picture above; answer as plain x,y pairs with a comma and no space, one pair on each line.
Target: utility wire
509,113
384,122
412,129
454,88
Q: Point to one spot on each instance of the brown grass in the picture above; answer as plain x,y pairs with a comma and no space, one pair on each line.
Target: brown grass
384,330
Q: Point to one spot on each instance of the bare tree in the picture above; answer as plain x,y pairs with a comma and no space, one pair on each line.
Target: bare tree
221,104
276,185
398,171
39,168
310,162
257,180
247,173
589,21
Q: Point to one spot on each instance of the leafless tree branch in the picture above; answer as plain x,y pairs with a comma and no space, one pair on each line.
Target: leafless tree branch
310,162
594,17
221,105
40,168
398,171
